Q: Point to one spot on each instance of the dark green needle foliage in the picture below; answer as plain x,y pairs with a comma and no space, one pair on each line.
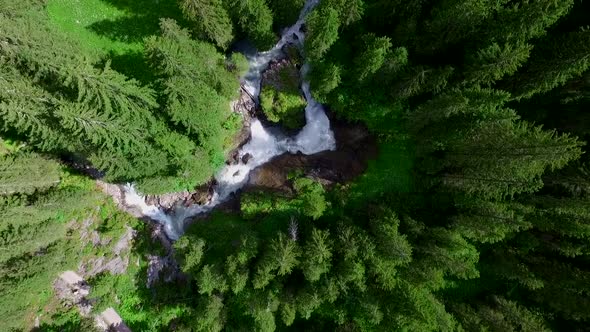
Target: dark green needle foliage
472,212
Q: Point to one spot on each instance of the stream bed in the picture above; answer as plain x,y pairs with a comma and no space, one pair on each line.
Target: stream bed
316,136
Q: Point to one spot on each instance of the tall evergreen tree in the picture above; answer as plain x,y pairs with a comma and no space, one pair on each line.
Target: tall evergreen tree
26,173
210,19
322,32
492,63
552,64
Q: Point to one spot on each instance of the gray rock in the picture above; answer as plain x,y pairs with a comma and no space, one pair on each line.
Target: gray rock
246,158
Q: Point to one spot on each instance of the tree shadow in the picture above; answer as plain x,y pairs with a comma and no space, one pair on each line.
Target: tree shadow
130,29
133,65
142,20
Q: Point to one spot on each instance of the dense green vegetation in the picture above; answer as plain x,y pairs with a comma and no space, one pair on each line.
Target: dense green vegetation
475,215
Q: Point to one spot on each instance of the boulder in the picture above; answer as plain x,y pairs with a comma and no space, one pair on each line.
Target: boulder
246,158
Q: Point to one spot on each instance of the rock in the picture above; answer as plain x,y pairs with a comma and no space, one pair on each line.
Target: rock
355,147
109,320
246,158
72,290
157,266
234,157
168,201
124,242
203,193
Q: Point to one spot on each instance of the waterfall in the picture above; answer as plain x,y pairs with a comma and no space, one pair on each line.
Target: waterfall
314,137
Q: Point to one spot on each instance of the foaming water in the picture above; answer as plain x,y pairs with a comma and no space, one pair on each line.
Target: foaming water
314,137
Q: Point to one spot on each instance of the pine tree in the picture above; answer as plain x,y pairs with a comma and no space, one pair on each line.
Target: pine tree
349,11
210,314
519,22
376,51
210,279
316,255
488,221
190,251
455,20
552,64
324,78
494,62
254,18
481,103
197,87
442,253
504,158
498,314
25,110
419,79
322,32
281,257
26,173
211,20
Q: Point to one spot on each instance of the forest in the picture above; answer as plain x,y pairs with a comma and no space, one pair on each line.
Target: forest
473,214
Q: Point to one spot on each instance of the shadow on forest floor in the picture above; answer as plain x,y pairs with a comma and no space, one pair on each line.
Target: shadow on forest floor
142,20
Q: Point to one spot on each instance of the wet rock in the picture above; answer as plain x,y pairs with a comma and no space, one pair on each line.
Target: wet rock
246,158
234,158
245,105
168,201
355,147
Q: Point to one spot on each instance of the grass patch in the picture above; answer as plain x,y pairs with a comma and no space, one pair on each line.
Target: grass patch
86,21
113,29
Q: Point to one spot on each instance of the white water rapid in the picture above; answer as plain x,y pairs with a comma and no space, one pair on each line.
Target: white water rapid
314,137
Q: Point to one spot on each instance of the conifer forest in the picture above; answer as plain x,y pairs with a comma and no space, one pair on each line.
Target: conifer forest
295,165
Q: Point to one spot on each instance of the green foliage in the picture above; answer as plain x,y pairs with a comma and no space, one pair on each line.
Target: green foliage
283,107
26,173
40,237
553,64
210,20
494,62
255,19
373,57
454,224
322,32
285,13
317,254
311,199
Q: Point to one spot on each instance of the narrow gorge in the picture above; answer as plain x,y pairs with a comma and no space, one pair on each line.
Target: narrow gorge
316,136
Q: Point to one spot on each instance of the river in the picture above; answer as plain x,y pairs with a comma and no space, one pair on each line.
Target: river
314,137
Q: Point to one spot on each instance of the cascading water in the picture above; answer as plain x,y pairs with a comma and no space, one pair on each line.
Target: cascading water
314,137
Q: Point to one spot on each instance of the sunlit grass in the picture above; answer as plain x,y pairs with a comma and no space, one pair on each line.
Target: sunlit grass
78,17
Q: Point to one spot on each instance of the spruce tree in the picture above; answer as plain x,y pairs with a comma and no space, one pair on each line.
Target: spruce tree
498,159
492,63
317,255
255,19
322,32
376,51
210,19
524,20
26,173
552,64
453,21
